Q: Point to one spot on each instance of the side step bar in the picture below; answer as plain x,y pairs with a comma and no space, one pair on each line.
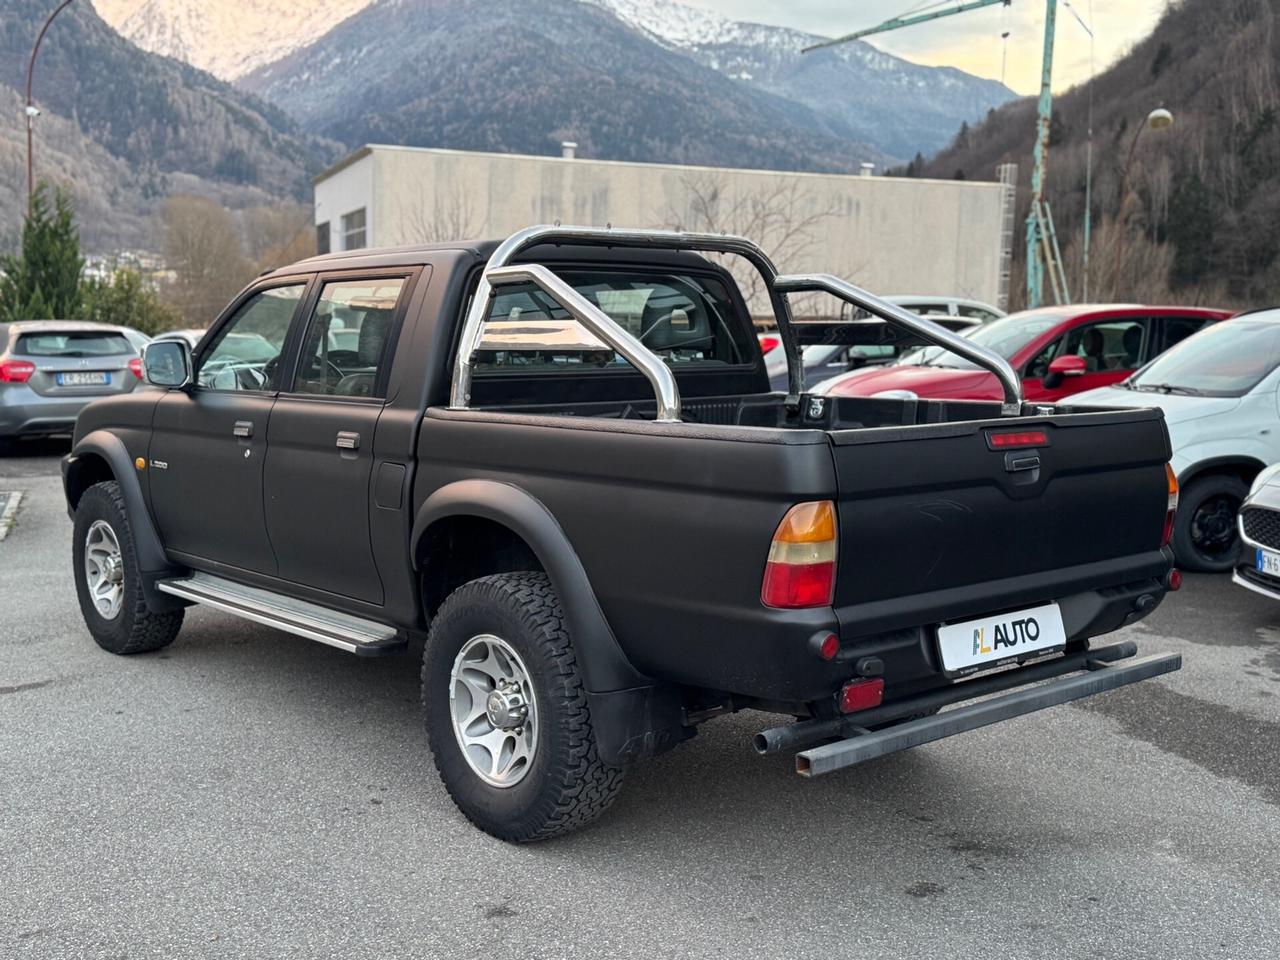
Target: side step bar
353,634
1101,675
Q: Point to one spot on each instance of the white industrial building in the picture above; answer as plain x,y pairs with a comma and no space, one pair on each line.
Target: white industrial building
891,235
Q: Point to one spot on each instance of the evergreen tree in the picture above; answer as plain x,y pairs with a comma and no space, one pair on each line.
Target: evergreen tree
125,300
42,280
1191,228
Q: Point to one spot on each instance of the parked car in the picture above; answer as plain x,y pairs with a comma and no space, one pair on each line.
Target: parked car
49,370
566,470
1057,351
1218,391
824,360
1258,566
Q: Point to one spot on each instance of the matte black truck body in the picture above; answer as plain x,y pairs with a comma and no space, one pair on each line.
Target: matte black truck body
653,535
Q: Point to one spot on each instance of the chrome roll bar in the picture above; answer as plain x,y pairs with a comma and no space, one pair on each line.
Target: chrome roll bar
924,329
599,322
603,326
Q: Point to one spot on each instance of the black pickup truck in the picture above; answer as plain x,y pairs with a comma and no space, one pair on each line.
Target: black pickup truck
556,462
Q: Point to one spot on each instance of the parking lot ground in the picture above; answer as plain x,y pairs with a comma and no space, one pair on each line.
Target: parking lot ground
246,793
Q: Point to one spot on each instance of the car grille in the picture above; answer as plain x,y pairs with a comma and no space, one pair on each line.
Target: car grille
1262,526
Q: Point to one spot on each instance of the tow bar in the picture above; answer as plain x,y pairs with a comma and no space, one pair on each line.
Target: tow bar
1100,673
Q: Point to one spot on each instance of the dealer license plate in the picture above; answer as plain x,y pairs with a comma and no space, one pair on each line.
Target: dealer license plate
1268,563
83,379
990,641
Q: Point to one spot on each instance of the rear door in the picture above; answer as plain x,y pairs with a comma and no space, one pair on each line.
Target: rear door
208,444
321,444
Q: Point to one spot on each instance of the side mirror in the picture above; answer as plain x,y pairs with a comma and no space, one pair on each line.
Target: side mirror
1069,366
167,363
855,360
1062,367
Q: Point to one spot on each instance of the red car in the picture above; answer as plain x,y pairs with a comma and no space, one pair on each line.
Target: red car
1057,351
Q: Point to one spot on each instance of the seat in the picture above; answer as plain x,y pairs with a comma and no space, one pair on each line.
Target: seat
374,329
1094,344
1132,347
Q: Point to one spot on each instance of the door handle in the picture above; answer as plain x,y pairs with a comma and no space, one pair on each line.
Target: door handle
243,428
348,440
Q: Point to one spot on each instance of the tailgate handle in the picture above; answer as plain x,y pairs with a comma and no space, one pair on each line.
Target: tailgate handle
243,428
1015,463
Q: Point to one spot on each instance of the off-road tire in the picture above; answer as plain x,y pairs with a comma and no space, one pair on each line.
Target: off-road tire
1187,555
135,629
567,784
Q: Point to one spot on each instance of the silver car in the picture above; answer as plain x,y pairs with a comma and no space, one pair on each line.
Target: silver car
49,370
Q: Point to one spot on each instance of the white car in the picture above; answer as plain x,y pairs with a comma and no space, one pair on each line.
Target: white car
1258,568
1218,391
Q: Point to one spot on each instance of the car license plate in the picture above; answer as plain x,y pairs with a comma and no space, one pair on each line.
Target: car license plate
991,641
1268,562
83,379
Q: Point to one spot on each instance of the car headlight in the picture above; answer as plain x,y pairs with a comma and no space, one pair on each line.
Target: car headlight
1267,474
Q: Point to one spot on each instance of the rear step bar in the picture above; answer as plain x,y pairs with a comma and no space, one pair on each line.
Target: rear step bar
1100,675
353,634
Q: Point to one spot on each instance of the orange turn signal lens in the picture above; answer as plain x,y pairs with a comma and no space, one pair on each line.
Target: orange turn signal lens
801,570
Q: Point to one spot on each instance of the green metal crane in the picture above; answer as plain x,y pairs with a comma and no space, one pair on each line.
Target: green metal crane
1043,255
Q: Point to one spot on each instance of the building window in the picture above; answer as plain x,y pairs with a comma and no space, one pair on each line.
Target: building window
322,237
353,230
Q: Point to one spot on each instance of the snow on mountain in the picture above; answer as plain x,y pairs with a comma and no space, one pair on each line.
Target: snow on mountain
228,38
899,106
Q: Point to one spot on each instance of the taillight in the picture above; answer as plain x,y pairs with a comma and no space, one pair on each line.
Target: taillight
801,570
136,366
768,343
16,371
1171,510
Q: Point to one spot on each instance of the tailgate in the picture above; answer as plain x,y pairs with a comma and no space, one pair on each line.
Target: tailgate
935,523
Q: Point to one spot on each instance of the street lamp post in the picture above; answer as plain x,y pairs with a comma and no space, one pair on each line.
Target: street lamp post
32,111
1157,119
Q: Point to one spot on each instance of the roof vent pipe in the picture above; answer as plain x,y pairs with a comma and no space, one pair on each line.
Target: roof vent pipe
568,149
867,169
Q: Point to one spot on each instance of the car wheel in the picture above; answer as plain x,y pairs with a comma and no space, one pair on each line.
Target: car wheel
506,714
1205,537
108,581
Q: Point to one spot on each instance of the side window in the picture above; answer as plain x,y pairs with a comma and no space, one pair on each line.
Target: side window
1038,368
353,229
1109,345
346,343
246,353
975,313
1177,329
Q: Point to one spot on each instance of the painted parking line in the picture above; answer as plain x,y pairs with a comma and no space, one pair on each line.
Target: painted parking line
9,500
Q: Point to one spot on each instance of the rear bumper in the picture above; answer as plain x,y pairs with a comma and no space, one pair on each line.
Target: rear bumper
1072,678
28,414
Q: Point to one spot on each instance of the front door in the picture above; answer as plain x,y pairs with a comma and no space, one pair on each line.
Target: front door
1111,349
208,444
321,444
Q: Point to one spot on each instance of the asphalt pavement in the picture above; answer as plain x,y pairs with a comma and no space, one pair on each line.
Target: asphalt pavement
246,793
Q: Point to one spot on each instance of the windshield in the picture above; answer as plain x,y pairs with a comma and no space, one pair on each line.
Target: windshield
1005,336
1225,360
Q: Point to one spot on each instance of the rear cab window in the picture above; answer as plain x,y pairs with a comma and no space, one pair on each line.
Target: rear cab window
72,343
689,320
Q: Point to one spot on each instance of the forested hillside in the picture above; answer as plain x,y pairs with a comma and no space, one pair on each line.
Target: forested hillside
1202,220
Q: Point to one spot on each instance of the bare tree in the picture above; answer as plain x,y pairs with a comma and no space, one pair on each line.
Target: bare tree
780,216
279,235
203,250
438,219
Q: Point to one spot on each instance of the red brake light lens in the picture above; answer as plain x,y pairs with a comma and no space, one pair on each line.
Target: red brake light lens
16,371
768,343
861,695
136,366
1171,510
1018,438
801,569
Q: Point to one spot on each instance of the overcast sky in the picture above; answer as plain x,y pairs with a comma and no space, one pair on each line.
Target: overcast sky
971,41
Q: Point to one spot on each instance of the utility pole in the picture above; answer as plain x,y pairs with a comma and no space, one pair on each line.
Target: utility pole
1040,158
32,111
1042,241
